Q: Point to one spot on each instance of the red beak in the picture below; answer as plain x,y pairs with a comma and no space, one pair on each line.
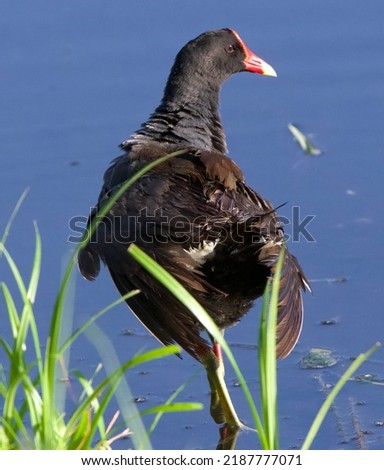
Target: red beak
254,63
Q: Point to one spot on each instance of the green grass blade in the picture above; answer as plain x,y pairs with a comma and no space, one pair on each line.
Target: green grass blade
78,438
36,267
27,295
271,421
31,293
13,316
32,396
17,362
7,348
262,348
15,272
98,419
12,218
332,395
15,435
98,368
65,330
173,407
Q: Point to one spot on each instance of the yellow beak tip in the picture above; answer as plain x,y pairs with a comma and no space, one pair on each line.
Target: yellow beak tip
269,71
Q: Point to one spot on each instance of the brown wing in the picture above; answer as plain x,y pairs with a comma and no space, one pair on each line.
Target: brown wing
205,192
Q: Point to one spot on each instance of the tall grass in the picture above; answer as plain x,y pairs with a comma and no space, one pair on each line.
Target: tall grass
35,372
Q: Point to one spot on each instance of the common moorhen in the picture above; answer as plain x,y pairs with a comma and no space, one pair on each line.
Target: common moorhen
195,215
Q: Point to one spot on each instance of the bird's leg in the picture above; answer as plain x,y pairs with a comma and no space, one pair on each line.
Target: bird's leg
216,409
217,367
222,409
219,354
228,438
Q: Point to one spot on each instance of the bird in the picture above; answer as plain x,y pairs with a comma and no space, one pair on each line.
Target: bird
196,216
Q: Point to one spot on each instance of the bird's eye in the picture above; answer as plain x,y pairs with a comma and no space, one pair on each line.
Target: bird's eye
229,49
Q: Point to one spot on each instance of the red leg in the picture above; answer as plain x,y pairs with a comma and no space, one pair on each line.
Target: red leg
218,352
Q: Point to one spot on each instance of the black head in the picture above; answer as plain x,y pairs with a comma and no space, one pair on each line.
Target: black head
188,113
208,60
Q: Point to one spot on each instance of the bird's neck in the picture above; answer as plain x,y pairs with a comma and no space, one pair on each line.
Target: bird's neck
187,116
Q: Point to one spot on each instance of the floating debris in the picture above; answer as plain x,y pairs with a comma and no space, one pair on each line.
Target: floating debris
338,279
140,400
370,378
318,358
128,332
328,322
330,280
305,143
133,332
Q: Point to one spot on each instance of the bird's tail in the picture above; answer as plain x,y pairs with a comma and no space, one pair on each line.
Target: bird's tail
290,305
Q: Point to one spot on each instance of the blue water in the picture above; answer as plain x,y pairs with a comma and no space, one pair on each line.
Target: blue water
78,77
